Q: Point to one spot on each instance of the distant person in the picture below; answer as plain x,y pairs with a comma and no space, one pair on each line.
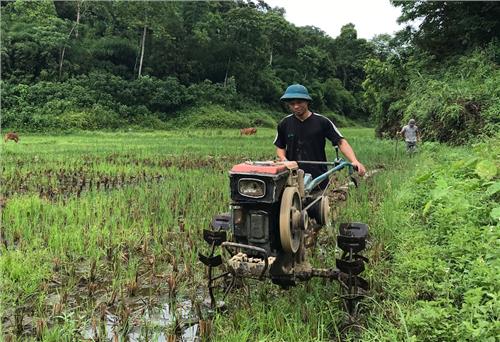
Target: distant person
302,135
411,135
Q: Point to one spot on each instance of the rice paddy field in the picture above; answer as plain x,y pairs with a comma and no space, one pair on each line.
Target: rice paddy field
100,235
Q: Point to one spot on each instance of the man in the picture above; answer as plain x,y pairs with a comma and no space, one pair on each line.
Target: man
411,135
301,135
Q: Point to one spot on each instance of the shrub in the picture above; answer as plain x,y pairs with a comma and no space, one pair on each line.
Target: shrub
340,120
338,98
449,255
455,102
207,93
215,116
96,117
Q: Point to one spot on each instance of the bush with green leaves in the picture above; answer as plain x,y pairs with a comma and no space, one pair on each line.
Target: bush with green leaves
454,102
445,261
341,120
206,93
103,101
337,98
215,116
458,103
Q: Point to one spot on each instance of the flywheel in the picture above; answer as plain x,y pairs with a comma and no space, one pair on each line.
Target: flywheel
290,218
324,210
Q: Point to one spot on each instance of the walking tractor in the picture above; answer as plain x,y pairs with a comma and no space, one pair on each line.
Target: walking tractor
275,213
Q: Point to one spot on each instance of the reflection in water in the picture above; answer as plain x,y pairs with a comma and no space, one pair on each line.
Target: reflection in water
155,324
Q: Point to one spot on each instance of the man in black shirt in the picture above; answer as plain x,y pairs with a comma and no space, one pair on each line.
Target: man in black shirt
302,135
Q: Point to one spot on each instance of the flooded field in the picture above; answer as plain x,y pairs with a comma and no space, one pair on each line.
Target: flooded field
101,232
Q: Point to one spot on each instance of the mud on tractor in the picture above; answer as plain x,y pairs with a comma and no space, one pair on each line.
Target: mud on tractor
275,214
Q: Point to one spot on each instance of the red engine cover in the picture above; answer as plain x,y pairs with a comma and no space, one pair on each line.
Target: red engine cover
271,168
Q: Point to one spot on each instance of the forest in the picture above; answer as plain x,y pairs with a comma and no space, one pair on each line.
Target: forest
108,65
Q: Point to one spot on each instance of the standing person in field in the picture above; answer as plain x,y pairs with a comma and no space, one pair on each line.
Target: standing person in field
302,135
411,135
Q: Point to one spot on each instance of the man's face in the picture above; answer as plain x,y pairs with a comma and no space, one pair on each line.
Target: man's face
299,107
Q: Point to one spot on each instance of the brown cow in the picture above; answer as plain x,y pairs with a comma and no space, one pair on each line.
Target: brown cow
248,131
11,136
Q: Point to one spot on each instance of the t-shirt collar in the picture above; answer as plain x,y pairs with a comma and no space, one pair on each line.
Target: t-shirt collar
295,116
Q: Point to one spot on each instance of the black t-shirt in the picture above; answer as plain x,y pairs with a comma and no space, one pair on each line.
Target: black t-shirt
305,140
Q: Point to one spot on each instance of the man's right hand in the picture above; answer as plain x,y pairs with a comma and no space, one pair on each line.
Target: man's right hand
281,154
360,168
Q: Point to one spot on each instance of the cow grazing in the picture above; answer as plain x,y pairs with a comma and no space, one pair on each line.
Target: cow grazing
11,136
248,131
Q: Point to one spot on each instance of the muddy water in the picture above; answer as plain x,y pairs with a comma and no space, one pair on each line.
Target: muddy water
157,324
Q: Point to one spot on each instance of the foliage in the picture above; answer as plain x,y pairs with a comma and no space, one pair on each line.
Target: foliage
215,116
90,102
32,36
127,58
443,258
341,121
339,98
351,55
464,95
454,103
448,28
206,92
111,102
442,71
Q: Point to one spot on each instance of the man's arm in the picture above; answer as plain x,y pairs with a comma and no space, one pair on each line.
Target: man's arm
281,153
348,152
401,133
280,142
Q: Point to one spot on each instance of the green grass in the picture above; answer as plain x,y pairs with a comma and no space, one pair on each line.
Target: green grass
111,222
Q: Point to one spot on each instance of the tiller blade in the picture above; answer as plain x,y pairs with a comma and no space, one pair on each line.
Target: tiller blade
213,261
215,238
354,267
221,222
352,240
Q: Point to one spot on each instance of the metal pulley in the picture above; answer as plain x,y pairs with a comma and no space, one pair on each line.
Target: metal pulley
290,220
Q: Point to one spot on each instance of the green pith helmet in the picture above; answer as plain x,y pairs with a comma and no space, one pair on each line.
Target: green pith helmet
296,92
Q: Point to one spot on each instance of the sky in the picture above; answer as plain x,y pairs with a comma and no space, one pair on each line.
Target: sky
370,17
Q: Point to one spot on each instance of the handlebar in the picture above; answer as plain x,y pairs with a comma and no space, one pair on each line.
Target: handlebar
340,164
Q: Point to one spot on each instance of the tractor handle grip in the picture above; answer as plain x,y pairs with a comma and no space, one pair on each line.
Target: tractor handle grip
353,167
338,166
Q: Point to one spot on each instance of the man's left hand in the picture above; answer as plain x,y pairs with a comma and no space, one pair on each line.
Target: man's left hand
360,167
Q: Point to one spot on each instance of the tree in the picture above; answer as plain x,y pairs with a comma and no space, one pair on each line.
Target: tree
244,45
145,19
74,29
32,35
450,27
311,59
350,56
280,35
